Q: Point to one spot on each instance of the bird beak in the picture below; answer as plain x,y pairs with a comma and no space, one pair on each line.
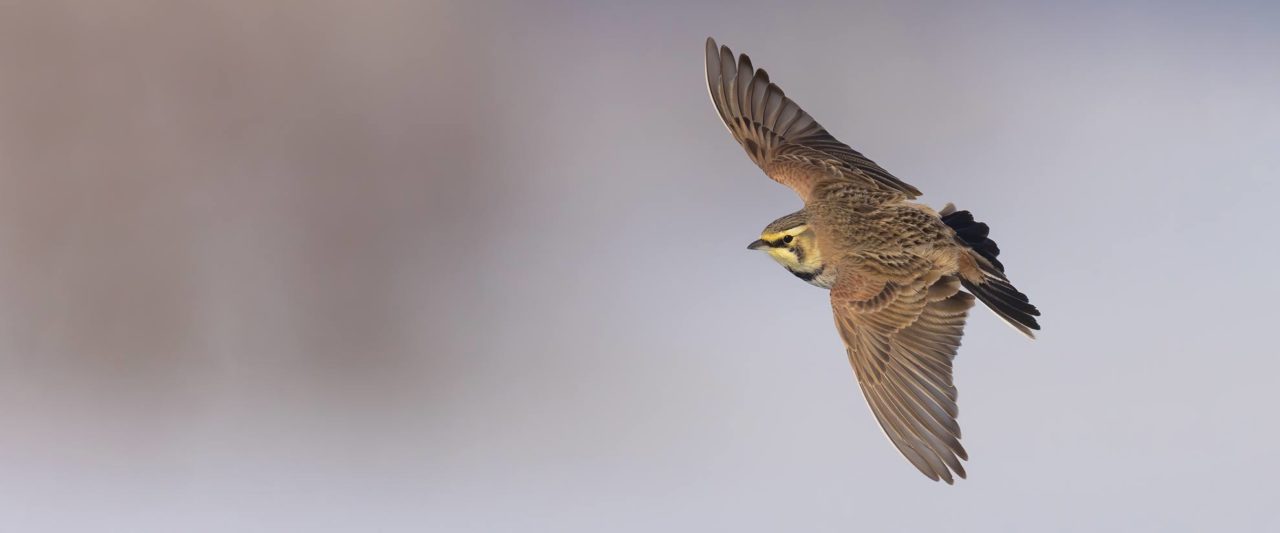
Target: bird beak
758,244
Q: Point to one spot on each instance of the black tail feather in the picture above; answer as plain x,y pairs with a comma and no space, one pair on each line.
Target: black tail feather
973,233
995,290
1007,302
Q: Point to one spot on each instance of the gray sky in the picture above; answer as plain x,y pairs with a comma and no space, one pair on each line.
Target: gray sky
436,266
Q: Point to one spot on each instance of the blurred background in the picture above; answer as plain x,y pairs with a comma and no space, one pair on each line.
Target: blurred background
480,266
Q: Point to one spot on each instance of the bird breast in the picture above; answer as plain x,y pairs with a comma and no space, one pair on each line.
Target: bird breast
823,277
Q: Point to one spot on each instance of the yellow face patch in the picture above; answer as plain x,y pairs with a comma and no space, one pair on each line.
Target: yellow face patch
779,235
784,256
801,254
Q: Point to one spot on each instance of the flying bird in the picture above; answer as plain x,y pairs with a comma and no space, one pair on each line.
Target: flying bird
902,277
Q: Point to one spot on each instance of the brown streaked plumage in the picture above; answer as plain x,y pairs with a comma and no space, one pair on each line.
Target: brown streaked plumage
895,268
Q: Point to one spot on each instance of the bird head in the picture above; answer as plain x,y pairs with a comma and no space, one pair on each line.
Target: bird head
791,243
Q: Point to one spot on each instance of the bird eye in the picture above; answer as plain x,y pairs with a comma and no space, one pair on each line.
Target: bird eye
788,239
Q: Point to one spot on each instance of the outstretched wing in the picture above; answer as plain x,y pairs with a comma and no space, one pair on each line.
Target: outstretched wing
901,338
781,138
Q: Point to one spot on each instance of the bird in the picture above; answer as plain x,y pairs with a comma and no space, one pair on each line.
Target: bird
902,277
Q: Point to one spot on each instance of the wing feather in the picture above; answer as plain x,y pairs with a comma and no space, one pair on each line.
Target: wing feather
768,125
901,352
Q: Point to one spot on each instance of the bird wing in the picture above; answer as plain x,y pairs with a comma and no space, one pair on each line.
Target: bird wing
788,144
901,337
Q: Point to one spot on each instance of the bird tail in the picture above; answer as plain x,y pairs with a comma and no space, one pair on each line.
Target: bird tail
994,289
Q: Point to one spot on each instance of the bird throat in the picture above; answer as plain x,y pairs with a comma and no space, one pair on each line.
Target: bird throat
807,276
813,277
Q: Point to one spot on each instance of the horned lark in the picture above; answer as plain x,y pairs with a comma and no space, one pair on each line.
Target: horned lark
894,268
